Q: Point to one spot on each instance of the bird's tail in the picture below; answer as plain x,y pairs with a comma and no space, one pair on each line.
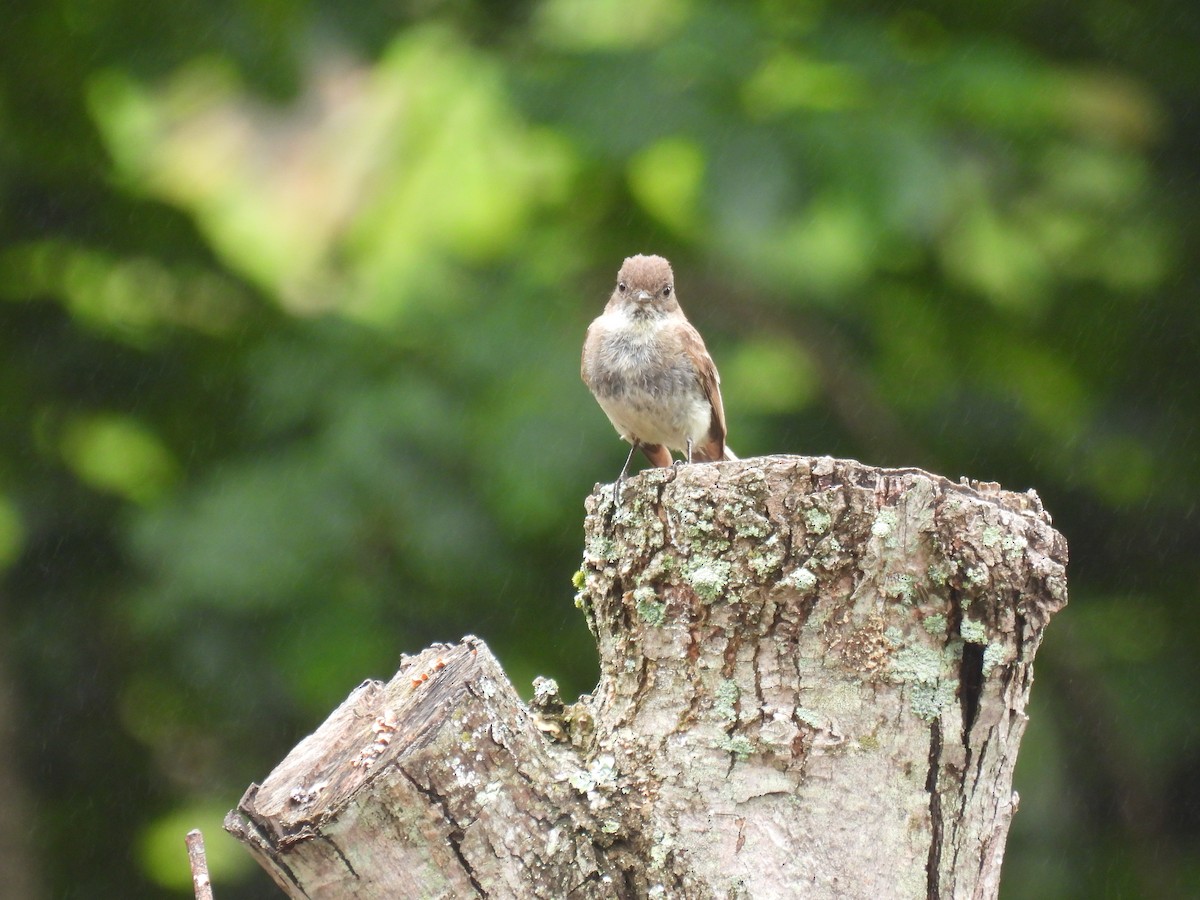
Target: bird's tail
712,451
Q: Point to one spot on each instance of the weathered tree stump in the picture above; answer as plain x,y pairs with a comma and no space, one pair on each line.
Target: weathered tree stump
813,682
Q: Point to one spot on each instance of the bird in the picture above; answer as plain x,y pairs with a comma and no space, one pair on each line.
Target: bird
649,370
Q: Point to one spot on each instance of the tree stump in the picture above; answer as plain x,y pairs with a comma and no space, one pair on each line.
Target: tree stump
813,682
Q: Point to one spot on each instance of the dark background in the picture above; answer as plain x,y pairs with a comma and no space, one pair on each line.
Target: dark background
291,301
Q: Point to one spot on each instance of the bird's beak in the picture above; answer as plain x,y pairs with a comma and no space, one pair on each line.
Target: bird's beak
643,297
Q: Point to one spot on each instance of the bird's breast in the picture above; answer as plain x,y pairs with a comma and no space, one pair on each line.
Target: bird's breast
638,356
647,384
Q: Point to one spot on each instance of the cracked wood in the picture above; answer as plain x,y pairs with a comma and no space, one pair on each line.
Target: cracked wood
813,684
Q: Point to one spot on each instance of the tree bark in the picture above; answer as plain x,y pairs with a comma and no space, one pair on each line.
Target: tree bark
813,682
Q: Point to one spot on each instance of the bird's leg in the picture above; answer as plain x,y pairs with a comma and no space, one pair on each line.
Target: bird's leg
624,469
687,457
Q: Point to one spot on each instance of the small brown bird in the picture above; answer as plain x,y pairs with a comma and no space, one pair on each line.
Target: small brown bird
650,372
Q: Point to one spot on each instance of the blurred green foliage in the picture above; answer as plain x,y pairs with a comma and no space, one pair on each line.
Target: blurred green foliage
292,297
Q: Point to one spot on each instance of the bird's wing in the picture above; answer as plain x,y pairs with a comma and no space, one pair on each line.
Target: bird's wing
710,382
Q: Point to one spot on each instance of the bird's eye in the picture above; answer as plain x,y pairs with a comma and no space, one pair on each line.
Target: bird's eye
667,291
621,286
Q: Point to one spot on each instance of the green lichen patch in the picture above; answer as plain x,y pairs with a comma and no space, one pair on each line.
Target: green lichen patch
649,608
761,566
917,664
737,744
1013,543
991,536
748,523
939,573
661,567
993,655
694,525
884,525
662,847
644,594
604,770
581,781
801,579
929,700
704,536
767,557
973,632
641,528
868,742
924,671
977,575
828,555
899,585
817,520
599,549
725,699
809,717
708,578
935,624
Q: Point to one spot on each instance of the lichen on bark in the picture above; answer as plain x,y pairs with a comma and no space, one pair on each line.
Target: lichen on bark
834,704
813,682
